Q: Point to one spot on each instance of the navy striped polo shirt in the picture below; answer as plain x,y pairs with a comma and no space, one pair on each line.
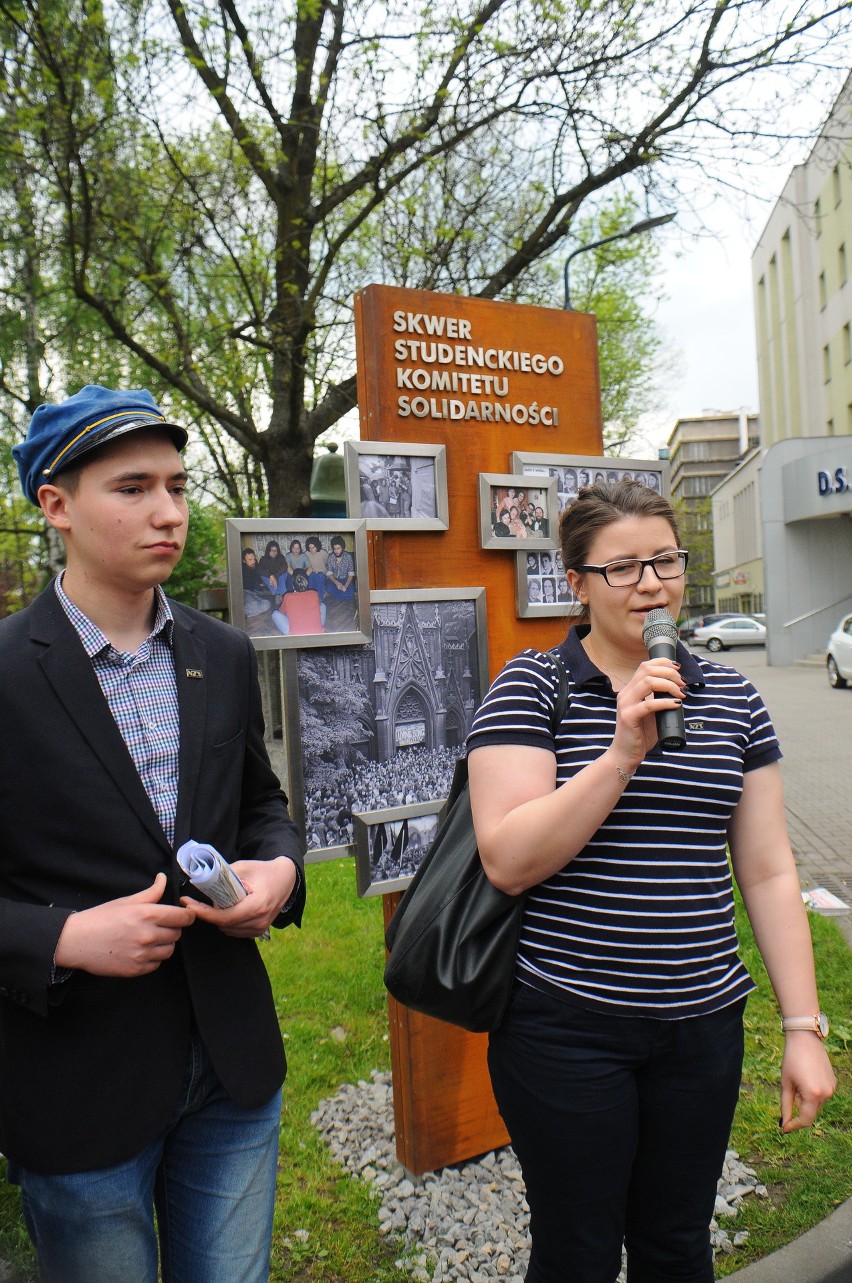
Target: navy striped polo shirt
641,921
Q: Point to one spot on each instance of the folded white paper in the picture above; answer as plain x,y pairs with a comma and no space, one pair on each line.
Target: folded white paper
211,873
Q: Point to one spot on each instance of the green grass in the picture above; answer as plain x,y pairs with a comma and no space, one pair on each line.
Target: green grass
329,977
809,1172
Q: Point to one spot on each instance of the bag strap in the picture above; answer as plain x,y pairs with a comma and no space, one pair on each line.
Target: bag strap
561,696
460,772
457,789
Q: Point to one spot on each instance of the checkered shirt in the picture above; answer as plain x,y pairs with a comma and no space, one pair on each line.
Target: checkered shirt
141,692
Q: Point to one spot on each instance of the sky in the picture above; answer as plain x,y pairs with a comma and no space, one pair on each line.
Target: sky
706,322
706,317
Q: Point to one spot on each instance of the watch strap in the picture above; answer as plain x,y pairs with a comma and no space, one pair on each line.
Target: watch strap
816,1024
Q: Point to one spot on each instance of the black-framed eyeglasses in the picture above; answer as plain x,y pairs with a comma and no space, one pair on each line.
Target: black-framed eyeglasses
629,570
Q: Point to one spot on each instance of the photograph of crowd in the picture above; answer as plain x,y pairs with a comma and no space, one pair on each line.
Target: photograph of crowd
390,845
403,486
509,512
381,726
298,583
542,589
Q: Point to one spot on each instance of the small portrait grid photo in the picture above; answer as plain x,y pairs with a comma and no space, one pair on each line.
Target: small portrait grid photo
534,596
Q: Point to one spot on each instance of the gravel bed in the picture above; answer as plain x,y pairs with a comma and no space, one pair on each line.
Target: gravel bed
468,1221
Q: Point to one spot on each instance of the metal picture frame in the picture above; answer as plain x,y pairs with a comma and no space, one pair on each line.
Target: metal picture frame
381,725
328,607
397,485
390,845
566,470
496,492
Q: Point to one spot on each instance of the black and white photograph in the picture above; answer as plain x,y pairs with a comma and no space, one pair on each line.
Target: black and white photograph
533,595
511,514
380,726
390,845
541,586
399,486
571,472
298,583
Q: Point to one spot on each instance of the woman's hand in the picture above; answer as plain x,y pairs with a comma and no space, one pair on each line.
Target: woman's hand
636,727
807,1080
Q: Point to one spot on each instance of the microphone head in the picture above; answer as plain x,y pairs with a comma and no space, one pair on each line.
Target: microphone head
659,624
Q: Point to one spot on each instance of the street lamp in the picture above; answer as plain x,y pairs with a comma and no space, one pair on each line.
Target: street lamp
644,226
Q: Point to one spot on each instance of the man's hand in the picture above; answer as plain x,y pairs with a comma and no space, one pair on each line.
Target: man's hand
126,937
269,885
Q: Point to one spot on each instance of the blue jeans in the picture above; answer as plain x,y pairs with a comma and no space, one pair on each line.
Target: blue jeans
620,1124
211,1177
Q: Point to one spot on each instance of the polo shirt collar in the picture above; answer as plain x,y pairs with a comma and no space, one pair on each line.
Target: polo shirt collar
583,671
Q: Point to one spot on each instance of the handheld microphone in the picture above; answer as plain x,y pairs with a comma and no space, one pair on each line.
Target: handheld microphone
659,633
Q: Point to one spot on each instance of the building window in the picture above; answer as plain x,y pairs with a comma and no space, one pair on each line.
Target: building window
829,427
847,343
835,182
826,364
841,263
823,290
697,486
818,217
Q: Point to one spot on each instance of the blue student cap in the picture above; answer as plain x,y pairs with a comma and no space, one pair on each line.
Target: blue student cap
59,434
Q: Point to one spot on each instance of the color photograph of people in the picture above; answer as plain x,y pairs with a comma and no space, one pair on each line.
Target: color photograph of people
299,585
519,513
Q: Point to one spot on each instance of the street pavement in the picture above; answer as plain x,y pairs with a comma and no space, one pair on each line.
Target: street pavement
814,725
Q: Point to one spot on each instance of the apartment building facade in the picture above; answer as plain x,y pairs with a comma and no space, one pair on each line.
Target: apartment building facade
803,319
702,451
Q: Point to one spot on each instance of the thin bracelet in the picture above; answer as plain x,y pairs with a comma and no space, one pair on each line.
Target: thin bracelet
624,776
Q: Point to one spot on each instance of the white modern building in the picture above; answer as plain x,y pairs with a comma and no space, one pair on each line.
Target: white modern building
797,489
803,299
702,450
738,538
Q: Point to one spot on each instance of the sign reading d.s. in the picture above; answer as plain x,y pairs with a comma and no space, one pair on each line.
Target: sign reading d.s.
835,482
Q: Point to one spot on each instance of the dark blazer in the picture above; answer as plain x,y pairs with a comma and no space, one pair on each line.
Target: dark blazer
90,1069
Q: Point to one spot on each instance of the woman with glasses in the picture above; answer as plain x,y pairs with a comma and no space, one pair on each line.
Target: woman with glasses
617,1066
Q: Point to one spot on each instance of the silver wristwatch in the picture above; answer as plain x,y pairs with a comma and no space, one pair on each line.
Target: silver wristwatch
817,1024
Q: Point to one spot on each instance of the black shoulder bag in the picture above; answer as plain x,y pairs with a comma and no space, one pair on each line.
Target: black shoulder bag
453,939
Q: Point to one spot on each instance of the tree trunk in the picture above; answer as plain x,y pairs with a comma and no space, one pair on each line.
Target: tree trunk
288,466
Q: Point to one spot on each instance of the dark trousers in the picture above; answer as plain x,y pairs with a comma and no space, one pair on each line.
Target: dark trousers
620,1125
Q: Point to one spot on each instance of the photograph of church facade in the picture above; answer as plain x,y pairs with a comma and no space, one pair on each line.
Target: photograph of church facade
381,725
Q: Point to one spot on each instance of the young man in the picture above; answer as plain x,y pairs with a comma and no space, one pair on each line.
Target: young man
140,1056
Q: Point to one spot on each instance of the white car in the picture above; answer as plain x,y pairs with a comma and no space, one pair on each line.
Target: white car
838,661
736,630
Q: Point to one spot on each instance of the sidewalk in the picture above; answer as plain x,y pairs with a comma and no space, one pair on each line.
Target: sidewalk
813,723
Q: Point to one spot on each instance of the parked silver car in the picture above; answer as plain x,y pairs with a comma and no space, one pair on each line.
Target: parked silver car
736,630
838,660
